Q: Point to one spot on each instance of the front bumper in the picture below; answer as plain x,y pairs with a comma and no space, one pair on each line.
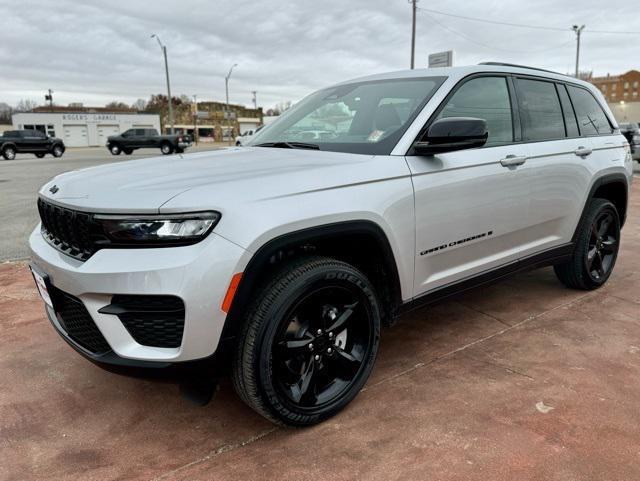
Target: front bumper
198,274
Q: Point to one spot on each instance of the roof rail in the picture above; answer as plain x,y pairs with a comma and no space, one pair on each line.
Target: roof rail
501,64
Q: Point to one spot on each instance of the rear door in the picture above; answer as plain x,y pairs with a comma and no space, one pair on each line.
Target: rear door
560,150
471,210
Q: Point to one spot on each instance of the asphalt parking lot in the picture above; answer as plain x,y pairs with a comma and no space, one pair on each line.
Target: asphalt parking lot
523,380
20,180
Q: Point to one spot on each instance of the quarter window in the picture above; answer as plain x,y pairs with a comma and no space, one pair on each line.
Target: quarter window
591,118
540,110
570,121
484,98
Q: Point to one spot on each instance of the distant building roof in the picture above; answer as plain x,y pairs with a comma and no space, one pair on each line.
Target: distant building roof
61,109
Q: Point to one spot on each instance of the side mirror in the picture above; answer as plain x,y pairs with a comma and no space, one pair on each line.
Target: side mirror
453,133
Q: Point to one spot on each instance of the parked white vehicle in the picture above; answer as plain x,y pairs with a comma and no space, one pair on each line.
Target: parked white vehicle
281,261
245,138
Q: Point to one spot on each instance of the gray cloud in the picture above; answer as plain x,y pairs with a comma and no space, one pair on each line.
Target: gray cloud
98,51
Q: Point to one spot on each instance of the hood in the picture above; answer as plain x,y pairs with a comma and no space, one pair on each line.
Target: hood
214,177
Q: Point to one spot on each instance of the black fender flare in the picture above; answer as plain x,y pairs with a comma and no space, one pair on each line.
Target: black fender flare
615,178
321,232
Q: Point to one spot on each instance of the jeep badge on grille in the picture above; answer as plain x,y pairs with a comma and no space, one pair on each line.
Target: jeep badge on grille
54,189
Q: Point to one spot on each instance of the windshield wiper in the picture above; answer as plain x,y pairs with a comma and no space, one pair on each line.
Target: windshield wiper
289,145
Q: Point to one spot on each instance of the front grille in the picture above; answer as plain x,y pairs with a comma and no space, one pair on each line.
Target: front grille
67,230
156,321
77,322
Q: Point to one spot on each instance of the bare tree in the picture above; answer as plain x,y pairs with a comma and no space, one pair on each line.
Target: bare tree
115,105
26,105
140,105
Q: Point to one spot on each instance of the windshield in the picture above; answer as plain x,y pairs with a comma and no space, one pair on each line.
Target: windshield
362,117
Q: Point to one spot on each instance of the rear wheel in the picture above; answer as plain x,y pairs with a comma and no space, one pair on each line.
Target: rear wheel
309,342
115,149
40,156
128,151
166,148
9,153
596,249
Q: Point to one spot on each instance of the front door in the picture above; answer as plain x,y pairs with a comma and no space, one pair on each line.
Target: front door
471,206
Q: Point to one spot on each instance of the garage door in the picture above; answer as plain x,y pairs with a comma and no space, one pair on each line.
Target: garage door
75,135
104,131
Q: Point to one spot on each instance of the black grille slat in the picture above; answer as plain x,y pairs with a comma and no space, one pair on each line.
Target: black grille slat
67,230
155,320
77,322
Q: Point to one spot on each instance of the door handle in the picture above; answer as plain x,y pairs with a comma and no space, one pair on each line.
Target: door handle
513,160
582,151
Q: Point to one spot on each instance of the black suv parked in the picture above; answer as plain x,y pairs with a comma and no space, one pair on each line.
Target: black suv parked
29,141
134,139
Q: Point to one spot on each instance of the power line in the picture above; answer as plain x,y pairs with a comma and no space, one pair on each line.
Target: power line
520,25
491,47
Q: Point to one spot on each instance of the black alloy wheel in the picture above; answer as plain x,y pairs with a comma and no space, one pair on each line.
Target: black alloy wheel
321,346
309,342
603,246
596,248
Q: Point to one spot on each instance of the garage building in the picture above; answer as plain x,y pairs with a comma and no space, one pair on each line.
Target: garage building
85,128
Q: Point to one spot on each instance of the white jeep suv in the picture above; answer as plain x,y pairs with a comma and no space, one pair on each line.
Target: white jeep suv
281,261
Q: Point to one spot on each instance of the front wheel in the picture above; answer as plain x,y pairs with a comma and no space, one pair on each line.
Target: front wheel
596,248
115,150
166,149
57,151
309,342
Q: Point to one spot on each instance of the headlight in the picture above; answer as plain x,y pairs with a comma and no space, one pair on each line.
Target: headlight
170,229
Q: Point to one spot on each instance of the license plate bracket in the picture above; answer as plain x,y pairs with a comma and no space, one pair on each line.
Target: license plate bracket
42,283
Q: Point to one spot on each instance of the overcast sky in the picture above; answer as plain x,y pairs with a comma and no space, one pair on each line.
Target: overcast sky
98,51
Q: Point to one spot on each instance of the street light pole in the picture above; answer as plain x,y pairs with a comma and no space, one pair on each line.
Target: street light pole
578,31
226,88
166,70
413,32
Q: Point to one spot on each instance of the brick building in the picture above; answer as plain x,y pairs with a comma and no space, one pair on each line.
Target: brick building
211,122
622,93
619,87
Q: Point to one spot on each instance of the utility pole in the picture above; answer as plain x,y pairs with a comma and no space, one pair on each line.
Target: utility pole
413,32
226,88
195,119
50,99
255,100
166,70
578,31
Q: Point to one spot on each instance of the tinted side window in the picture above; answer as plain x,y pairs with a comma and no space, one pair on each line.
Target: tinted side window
591,118
484,98
140,132
567,109
540,110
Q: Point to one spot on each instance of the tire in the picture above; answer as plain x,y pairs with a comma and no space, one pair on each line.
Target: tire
238,144
40,156
166,148
9,152
596,248
127,151
115,149
57,151
296,362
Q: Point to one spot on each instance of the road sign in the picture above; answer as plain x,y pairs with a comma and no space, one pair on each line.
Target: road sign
441,59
